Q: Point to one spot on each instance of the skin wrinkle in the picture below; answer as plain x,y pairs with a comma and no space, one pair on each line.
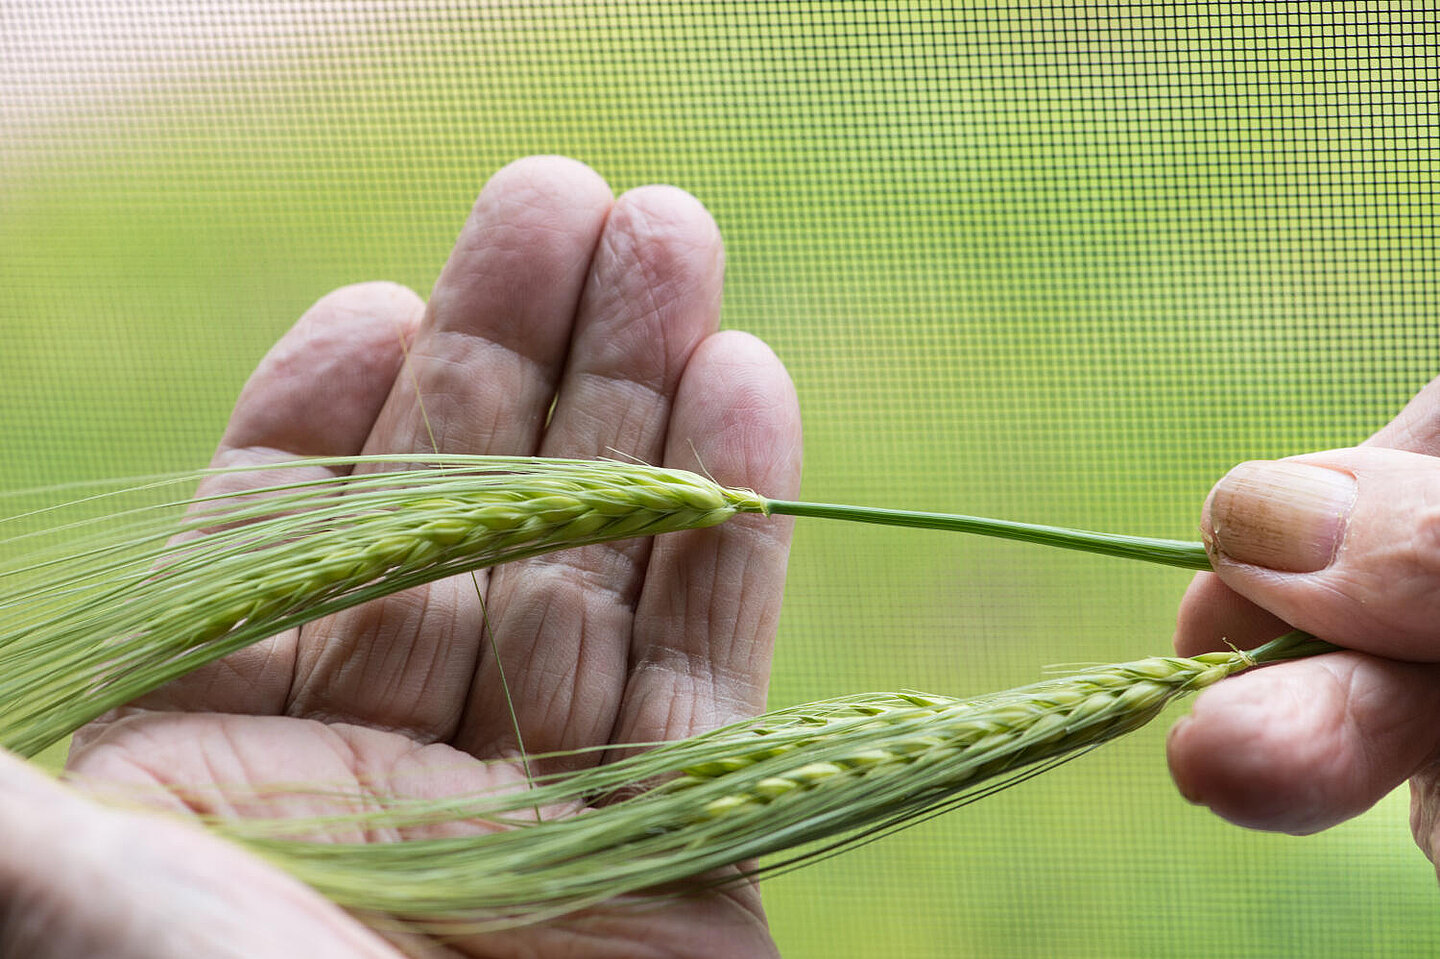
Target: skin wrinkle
393,699
216,801
516,224
1339,728
1425,810
447,720
550,690
462,351
642,318
401,681
599,728
596,568
682,676
104,755
1331,728
452,404
349,319
1424,531
637,402
546,683
1369,739
651,229
1358,715
639,338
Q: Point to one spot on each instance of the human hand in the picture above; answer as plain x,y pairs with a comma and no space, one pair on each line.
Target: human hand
555,293
1345,545
82,879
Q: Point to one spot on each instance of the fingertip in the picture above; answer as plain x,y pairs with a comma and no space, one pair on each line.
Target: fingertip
659,212
738,412
382,297
1240,752
519,263
319,389
360,330
672,244
1344,544
540,177
551,207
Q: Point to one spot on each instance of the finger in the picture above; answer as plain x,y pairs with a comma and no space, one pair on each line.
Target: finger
480,378
1212,615
1416,427
483,370
1209,757
78,879
705,625
563,621
1345,545
1301,746
316,393
1425,811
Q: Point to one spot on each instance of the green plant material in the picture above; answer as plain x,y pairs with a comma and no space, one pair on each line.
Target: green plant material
132,601
1167,552
105,608
803,782
99,609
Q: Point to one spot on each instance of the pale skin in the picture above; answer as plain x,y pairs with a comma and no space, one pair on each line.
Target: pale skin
557,294
556,288
1301,746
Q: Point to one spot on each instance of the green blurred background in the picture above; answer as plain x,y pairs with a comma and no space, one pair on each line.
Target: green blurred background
1055,262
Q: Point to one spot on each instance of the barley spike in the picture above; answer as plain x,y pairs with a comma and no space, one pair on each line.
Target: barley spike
832,773
236,569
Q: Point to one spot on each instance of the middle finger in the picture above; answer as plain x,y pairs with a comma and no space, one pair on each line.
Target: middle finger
479,379
563,622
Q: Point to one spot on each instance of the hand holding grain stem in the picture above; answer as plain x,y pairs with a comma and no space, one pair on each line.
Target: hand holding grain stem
397,698
815,774
172,595
1342,544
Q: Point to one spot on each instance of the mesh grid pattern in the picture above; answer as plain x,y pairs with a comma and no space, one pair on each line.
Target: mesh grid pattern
1064,262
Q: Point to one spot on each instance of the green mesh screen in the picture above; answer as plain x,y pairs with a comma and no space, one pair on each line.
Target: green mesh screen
1057,262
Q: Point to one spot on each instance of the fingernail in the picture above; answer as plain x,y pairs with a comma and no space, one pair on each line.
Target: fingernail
1280,515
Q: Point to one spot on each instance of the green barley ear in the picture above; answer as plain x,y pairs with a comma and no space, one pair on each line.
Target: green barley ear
141,598
115,602
792,784
116,605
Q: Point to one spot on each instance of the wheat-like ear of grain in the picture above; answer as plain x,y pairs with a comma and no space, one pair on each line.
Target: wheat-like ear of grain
109,607
796,783
107,603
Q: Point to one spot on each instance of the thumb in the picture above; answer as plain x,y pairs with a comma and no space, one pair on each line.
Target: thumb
1343,544
80,879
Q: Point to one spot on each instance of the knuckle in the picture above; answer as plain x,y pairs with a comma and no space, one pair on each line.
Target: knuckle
1421,555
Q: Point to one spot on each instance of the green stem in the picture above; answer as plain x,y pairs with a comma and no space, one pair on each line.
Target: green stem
1167,552
1293,645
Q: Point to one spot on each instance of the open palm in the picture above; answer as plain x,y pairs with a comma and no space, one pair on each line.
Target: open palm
566,323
